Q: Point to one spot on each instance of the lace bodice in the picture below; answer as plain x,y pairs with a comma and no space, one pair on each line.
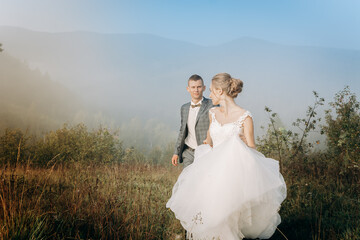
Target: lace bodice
219,132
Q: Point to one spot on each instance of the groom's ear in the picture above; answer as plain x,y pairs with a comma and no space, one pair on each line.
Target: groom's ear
204,88
188,89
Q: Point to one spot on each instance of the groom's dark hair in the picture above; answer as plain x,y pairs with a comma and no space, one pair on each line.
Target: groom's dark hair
195,77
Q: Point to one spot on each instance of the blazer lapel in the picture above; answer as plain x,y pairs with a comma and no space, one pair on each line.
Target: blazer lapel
203,107
186,113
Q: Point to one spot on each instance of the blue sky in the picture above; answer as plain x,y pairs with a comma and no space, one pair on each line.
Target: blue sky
327,23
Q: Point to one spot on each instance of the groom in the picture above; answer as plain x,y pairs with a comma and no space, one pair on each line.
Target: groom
194,122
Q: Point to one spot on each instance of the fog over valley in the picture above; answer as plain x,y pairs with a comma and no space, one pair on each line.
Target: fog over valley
137,82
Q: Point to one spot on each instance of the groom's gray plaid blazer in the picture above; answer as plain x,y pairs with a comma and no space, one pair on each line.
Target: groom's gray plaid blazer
201,125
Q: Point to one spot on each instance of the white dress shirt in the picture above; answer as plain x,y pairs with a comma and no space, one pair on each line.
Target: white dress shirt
190,140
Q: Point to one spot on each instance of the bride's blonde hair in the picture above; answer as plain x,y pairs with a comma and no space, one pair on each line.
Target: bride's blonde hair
231,86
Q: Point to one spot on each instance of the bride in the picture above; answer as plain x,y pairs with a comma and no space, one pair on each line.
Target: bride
231,191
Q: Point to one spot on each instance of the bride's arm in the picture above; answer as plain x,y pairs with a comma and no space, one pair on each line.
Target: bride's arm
208,139
249,132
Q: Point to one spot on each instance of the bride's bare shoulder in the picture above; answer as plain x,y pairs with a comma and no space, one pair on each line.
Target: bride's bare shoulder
240,110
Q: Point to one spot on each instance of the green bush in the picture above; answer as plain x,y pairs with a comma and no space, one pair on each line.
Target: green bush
78,144
343,135
14,147
65,145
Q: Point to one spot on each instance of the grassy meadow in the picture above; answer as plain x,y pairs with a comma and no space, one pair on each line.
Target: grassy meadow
128,202
76,183
83,202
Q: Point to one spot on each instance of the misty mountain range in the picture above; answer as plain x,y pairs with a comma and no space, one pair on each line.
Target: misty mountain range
143,76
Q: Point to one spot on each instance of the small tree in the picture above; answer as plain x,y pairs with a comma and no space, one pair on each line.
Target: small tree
306,125
286,144
1,48
343,133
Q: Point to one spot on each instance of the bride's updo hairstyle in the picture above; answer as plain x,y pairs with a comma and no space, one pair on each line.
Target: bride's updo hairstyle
231,86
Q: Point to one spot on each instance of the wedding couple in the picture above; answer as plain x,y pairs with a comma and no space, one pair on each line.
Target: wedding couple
227,190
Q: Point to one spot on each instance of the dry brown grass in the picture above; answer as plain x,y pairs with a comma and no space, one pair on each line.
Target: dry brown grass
127,201
104,202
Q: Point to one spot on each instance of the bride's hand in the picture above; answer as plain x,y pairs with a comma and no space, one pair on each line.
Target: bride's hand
205,142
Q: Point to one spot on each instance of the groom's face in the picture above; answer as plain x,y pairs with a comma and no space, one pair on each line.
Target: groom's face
196,89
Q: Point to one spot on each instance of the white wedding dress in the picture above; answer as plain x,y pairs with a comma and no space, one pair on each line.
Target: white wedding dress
231,191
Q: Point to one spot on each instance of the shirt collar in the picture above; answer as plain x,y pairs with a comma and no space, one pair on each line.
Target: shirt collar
200,102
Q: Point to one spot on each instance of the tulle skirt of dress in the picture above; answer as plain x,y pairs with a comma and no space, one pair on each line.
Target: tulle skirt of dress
230,192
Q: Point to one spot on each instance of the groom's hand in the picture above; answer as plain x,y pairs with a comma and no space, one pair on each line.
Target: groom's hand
175,159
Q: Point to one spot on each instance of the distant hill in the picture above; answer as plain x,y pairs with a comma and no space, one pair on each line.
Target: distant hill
144,76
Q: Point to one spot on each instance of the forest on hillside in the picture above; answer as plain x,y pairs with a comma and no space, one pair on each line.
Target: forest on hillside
32,102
